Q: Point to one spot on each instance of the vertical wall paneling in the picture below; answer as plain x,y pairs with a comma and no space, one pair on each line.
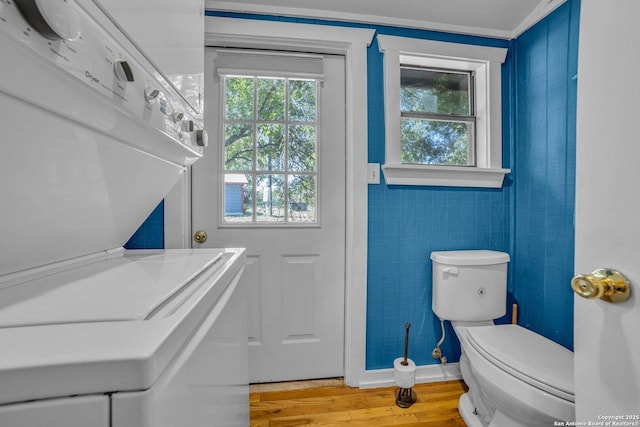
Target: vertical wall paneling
544,173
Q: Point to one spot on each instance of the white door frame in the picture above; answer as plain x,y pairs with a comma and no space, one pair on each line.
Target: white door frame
352,43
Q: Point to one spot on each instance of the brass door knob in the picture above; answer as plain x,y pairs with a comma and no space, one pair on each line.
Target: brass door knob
609,285
200,236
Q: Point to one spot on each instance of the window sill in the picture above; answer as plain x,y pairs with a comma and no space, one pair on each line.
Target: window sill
447,176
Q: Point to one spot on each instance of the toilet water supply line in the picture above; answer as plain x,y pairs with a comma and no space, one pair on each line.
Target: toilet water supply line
437,353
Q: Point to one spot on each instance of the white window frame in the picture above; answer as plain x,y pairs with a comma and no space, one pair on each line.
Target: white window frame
299,66
486,63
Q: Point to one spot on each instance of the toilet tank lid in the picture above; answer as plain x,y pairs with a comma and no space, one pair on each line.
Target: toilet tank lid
471,257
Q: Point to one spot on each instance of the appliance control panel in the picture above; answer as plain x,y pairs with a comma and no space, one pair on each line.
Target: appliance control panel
88,48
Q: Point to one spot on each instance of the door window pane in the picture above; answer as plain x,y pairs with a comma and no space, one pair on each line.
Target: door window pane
239,98
238,198
302,100
271,98
302,198
270,198
302,148
270,157
270,152
238,147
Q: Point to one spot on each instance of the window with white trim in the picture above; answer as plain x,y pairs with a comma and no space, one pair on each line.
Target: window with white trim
270,120
437,117
270,150
442,113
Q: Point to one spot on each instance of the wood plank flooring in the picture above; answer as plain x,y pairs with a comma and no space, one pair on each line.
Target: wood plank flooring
338,405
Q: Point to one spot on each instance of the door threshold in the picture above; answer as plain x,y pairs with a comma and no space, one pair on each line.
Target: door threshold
296,385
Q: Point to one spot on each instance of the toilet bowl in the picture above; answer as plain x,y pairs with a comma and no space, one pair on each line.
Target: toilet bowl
526,379
516,378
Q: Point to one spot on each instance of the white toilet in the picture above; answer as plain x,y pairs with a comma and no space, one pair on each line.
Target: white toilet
515,377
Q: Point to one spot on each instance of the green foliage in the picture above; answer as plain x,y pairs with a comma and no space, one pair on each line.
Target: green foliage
270,147
434,141
302,100
271,99
239,98
238,147
266,151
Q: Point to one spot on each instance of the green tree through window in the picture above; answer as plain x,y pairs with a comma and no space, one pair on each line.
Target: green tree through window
436,117
270,146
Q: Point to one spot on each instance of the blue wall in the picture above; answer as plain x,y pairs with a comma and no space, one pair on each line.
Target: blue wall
150,235
546,62
531,217
407,223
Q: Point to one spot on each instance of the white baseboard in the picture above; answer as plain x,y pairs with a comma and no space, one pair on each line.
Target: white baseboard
424,374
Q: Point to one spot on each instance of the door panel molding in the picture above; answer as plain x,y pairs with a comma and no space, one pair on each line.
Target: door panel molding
252,277
300,281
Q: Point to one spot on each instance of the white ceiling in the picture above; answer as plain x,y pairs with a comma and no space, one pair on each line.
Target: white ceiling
493,18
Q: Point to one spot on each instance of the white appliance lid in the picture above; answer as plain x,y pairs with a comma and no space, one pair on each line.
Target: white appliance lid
58,360
124,288
527,355
472,257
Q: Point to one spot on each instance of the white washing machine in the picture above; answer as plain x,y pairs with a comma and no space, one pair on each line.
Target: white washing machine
98,121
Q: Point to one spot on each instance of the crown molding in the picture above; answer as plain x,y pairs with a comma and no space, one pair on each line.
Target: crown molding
543,9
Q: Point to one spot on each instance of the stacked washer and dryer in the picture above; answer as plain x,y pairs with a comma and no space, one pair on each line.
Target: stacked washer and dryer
100,116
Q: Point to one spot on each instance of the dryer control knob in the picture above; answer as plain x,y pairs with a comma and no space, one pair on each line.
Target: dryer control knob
178,116
151,94
188,126
53,19
123,71
202,138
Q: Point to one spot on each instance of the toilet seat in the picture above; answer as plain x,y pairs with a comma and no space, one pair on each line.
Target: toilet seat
527,356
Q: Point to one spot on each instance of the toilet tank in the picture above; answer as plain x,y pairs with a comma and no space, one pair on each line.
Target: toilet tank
469,285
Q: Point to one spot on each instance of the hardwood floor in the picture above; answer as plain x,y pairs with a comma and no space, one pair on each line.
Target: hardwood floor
337,405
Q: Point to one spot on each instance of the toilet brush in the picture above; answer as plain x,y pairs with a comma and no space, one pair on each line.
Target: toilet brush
405,372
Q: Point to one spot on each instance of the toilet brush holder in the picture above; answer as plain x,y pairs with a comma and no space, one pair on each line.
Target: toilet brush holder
405,397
